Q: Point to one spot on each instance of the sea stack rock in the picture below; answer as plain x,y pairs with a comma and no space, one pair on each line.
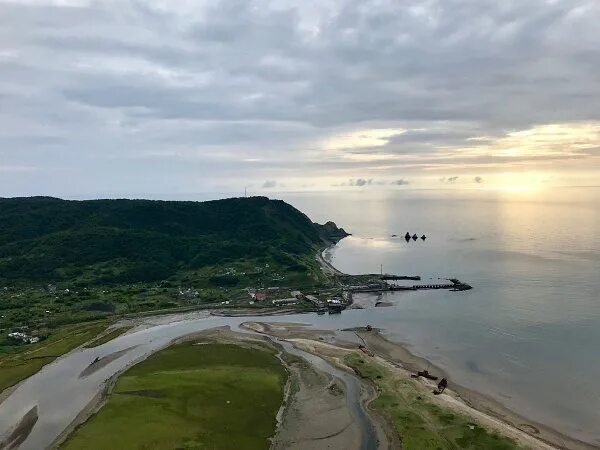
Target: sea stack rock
415,237
407,236
423,237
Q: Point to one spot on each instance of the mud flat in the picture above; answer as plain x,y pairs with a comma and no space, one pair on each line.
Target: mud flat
21,430
103,362
327,407
318,363
285,330
397,363
316,414
321,408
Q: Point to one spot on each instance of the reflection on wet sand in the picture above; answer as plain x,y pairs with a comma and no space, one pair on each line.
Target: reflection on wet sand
21,430
99,363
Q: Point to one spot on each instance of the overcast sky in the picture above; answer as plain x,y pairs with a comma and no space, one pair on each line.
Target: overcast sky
135,97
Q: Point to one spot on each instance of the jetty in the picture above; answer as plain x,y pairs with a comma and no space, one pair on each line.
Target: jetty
454,285
387,277
339,296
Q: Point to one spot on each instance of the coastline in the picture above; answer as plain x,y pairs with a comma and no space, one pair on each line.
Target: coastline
395,357
398,359
326,266
398,355
402,363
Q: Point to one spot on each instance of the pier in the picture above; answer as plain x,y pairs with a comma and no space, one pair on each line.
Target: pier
454,285
387,277
339,297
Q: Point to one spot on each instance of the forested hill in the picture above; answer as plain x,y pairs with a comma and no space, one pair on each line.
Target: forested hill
49,239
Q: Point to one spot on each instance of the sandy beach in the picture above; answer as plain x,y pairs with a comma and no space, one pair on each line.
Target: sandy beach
397,354
401,363
320,405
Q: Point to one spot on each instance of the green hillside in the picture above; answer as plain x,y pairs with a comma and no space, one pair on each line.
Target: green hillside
45,239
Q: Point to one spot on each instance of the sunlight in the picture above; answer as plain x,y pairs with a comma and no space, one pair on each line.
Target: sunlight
362,138
544,141
517,181
512,187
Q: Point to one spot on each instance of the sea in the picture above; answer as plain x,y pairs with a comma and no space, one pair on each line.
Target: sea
528,333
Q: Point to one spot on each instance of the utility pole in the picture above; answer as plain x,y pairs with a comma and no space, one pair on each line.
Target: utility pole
245,191
382,270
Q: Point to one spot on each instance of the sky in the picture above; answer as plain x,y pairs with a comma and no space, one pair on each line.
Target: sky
132,98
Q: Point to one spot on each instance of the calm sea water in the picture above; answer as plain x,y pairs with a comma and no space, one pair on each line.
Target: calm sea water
528,334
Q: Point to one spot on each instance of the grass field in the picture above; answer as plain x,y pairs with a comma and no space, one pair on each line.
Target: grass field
28,359
420,423
209,396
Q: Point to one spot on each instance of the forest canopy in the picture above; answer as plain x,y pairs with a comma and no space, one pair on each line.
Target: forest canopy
44,239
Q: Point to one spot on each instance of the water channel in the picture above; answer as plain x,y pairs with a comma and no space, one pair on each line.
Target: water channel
64,388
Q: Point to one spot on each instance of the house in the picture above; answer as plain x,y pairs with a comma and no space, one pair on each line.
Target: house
23,337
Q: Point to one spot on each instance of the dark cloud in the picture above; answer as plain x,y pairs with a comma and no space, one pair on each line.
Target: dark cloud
400,182
239,89
478,180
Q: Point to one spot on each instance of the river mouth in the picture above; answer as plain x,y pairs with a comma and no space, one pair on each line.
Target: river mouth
353,393
61,394
67,386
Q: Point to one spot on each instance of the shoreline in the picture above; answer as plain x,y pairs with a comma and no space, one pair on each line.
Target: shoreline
398,359
326,345
333,412
396,356
399,354
326,266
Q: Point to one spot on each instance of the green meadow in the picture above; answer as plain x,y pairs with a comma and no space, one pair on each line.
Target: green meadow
190,396
421,424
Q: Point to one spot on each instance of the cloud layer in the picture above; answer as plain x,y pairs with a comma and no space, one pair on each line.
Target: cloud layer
134,96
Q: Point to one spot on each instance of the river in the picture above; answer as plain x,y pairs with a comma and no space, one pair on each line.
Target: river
527,334
60,392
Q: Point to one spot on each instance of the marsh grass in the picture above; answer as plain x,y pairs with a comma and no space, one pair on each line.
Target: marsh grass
214,396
